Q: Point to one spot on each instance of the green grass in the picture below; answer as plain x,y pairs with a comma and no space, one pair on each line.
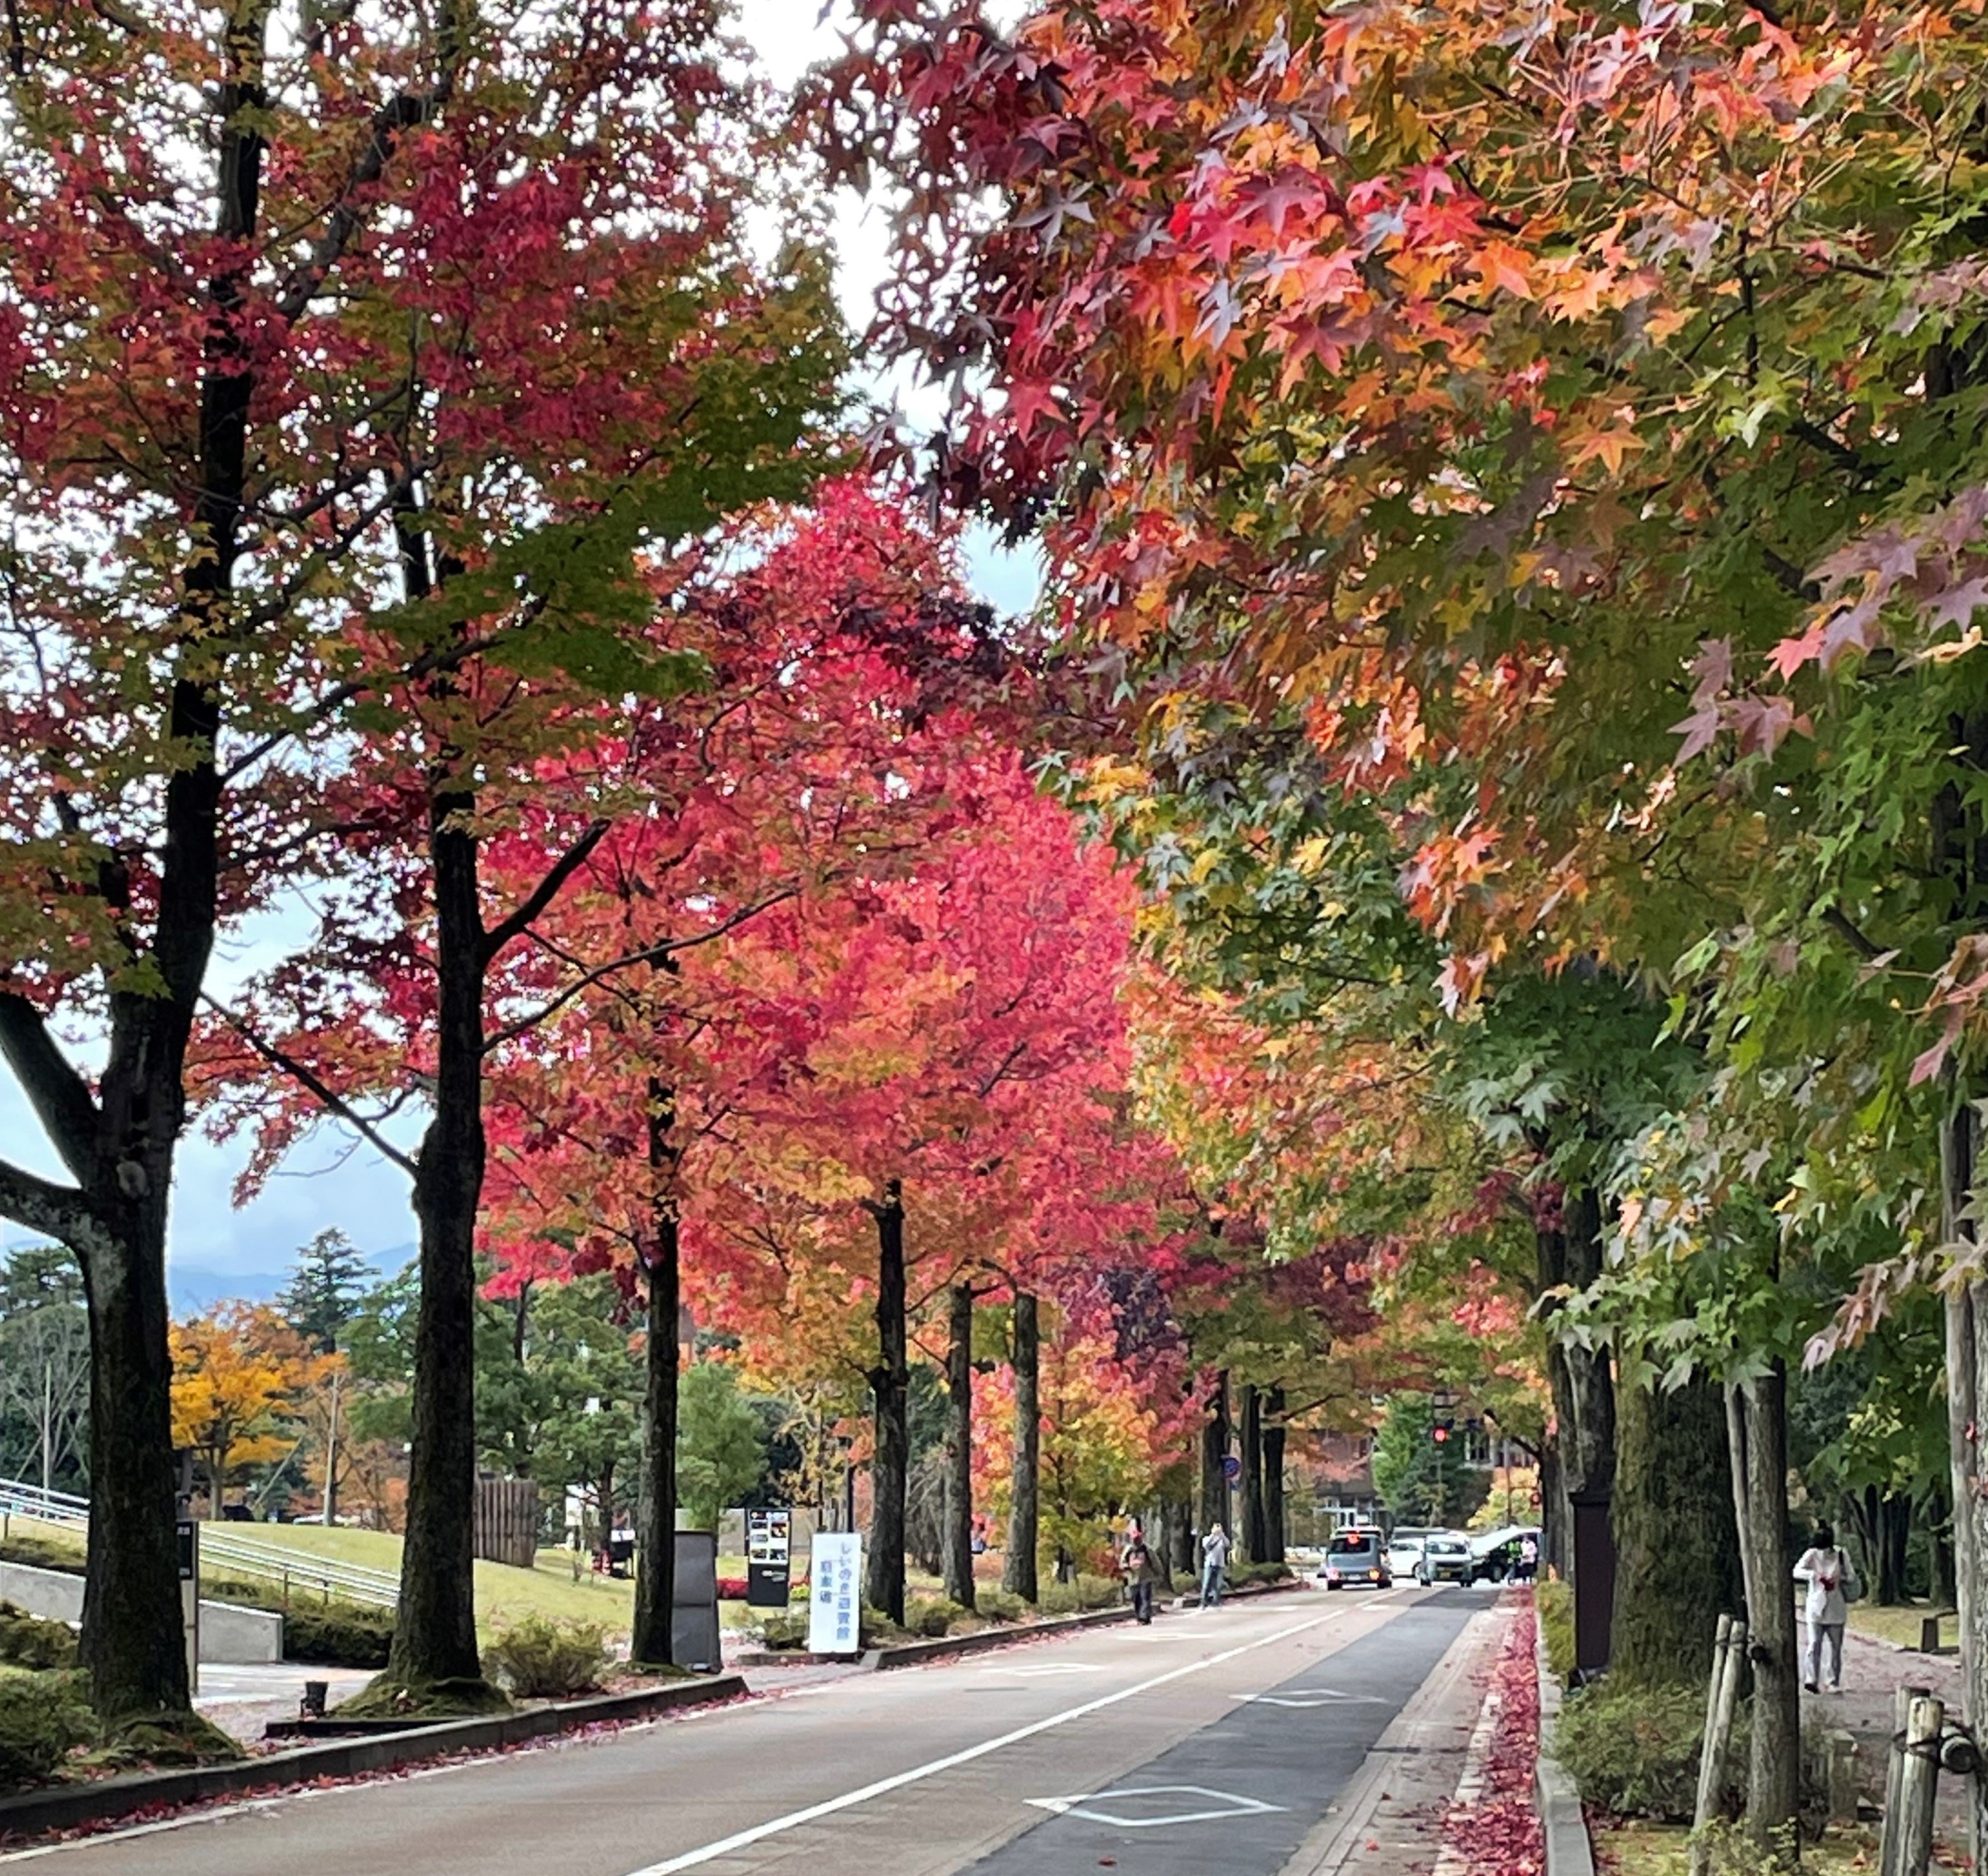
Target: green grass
1644,1849
1900,1624
503,1593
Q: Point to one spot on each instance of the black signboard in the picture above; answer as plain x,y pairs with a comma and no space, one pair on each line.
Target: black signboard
769,1549
189,1537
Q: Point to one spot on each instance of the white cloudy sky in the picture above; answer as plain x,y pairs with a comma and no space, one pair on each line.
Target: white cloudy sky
215,1249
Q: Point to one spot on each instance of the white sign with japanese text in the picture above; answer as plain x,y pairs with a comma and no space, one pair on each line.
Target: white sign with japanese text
835,1594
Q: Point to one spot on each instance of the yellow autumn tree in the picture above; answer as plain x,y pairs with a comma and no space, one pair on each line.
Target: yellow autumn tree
240,1376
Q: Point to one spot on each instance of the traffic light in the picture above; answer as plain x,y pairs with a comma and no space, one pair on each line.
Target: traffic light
1439,1432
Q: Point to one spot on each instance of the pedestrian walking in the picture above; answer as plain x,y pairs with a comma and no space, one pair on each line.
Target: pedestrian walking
1529,1557
1832,1581
1214,1565
1135,1559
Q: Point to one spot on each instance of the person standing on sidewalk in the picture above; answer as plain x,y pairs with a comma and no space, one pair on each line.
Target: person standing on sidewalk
1135,1559
1214,1565
1832,1578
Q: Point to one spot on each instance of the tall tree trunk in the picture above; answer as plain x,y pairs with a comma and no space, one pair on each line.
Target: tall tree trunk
1180,1534
959,1446
1274,1475
1254,1534
1756,1415
1159,1523
1676,1550
1214,1450
1967,1401
1552,1508
653,1638
1894,1535
890,1383
1584,1394
435,1628
1018,1566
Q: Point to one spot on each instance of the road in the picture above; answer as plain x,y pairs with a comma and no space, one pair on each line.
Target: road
1215,1740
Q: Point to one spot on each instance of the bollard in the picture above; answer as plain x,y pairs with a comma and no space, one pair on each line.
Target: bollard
1908,1847
1842,1777
1728,1662
1901,1712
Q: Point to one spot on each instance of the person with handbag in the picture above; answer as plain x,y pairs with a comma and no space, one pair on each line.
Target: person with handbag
1832,1585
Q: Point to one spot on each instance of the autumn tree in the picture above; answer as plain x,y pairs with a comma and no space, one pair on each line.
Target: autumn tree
239,1373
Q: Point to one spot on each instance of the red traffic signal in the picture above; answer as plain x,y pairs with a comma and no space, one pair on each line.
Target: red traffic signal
1440,1434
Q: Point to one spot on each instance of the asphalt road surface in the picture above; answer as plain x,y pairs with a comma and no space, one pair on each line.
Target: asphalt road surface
1213,1740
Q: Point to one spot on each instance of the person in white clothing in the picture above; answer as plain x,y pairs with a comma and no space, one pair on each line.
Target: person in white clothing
1214,1565
1832,1578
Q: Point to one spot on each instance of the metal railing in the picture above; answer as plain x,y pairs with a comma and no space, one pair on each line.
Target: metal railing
223,1553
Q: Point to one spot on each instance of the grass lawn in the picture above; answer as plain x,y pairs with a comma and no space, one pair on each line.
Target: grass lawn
1900,1624
1641,1849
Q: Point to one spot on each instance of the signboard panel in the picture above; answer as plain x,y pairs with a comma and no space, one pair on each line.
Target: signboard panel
835,1602
769,1549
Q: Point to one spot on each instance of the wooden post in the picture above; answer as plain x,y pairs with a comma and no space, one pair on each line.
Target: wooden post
1901,1712
1842,1747
1728,1663
1918,1784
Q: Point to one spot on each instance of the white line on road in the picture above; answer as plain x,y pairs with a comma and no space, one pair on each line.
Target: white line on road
774,1827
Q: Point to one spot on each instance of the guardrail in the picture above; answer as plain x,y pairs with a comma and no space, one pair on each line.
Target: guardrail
226,1554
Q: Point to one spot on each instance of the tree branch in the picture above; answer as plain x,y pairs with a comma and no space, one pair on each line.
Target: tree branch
58,1211
654,954
59,1096
313,1083
1839,922
547,890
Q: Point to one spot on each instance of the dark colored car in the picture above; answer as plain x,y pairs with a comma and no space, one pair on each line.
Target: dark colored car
1446,1558
1357,1560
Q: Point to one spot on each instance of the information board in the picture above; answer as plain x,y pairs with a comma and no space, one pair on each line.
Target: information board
835,1599
769,1549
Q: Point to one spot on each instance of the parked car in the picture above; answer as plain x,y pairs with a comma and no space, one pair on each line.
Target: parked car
1446,1558
1405,1549
1357,1560
1497,1554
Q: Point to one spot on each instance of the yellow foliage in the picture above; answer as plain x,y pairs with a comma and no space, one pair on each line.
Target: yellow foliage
240,1375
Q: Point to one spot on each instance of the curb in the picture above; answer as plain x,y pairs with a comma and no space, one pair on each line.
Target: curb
1244,1591
911,1654
1556,1797
66,1807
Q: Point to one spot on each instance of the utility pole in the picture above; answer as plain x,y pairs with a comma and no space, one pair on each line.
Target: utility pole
47,1425
331,1458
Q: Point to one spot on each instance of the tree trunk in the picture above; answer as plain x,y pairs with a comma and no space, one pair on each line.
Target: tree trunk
1676,1550
1180,1534
1967,1400
1214,1450
1274,1475
1160,1540
1018,1567
1552,1509
1756,1416
889,1382
1894,1526
1254,1534
959,1446
435,1628
652,1640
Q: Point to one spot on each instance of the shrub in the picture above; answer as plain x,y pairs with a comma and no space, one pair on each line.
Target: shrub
876,1628
1001,1606
539,1658
787,1630
932,1616
338,1635
1554,1601
41,1721
731,1588
1633,1751
28,1641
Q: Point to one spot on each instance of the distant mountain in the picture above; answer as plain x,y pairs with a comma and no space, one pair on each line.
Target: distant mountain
191,1288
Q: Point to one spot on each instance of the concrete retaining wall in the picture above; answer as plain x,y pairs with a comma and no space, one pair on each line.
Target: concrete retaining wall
230,1635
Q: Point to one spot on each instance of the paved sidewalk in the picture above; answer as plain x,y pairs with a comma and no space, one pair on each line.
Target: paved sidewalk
1872,1672
1389,1819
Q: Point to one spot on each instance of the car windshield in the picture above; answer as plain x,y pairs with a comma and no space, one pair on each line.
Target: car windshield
1448,1545
1354,1543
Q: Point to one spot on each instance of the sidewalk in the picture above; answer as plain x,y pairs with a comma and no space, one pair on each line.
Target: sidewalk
1420,1798
1872,1672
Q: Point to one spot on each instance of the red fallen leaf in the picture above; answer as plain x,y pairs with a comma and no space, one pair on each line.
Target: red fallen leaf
1106,1863
1372,1843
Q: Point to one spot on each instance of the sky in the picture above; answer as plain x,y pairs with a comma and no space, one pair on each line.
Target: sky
214,1249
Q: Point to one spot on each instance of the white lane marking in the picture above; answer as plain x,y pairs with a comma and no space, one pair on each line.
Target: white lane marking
1035,1670
1082,1803
774,1827
1301,1697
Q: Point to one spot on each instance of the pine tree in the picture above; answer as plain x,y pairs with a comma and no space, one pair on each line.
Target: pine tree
325,1285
